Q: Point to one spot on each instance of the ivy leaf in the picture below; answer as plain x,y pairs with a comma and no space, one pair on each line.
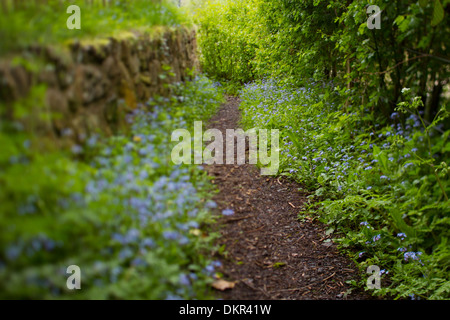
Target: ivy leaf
438,13
423,3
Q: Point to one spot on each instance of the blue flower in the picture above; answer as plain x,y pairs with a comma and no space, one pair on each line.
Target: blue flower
173,297
125,253
76,149
147,242
193,276
193,224
184,280
132,236
115,272
394,115
170,235
227,212
92,141
211,204
183,240
138,262
67,132
210,269
143,174
13,252
412,255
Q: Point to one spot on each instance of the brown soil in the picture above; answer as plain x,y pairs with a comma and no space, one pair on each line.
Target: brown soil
269,253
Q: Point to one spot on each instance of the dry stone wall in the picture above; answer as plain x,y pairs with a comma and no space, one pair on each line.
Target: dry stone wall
91,86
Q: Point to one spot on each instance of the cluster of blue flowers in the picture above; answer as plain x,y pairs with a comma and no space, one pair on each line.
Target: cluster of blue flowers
128,217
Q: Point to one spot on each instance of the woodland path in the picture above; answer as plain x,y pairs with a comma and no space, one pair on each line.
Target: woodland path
270,254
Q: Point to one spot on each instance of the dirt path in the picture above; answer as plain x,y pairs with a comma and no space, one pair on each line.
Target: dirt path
269,252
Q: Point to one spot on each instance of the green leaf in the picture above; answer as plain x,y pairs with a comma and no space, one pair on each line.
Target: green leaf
438,13
294,139
399,19
423,3
400,223
380,156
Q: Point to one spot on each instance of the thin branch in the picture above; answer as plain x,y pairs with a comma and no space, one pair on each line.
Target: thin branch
392,68
430,55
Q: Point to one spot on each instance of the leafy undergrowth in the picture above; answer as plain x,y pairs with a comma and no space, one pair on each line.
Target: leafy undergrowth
135,223
382,189
37,23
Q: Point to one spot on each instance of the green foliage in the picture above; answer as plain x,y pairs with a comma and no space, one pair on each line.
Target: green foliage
296,40
36,23
135,223
375,155
227,40
383,189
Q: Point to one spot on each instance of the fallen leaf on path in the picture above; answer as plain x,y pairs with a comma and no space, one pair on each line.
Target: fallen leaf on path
278,265
223,285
